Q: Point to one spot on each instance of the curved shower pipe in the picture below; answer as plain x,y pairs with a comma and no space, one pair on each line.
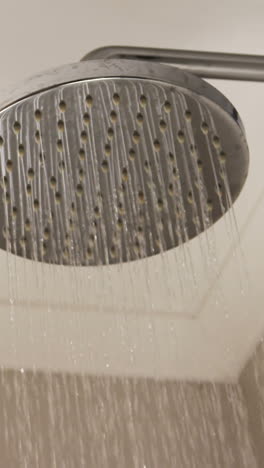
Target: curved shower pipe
213,65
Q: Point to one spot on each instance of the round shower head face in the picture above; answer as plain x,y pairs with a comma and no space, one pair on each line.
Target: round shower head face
114,166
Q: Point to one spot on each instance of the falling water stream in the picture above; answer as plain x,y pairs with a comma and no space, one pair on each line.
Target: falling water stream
100,211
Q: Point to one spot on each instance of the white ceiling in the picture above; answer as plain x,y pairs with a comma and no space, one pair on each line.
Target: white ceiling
135,320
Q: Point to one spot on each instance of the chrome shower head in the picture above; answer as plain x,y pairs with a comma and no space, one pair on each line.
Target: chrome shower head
108,161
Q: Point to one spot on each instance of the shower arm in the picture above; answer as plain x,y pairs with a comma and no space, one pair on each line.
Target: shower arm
214,65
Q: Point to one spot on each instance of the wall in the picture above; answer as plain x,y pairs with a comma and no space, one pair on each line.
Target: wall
104,422
252,384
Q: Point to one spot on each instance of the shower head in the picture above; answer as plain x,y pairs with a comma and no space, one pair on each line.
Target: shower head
113,160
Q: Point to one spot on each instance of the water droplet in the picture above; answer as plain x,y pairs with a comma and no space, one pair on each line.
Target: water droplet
81,174
110,133
59,145
16,127
36,205
23,241
132,154
42,159
89,253
116,99
125,174
181,137
163,125
209,205
190,198
62,106
143,100
119,223
60,125
188,115
167,106
136,137
97,211
21,150
29,189
89,100
53,182
156,144
4,182
28,225
46,233
86,118
141,197
113,251
82,154
140,232
84,136
37,136
61,166
140,119
205,128
6,197
79,190
31,173
105,166
38,114
171,189
14,212
160,203
147,166
107,150
222,157
57,197
113,116
121,208
137,247
9,165
171,157
199,164
216,141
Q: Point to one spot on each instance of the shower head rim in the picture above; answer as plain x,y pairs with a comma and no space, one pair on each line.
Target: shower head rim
104,69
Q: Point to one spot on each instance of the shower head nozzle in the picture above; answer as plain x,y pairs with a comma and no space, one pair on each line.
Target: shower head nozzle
109,161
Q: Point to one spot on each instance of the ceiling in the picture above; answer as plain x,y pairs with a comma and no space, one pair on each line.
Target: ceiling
137,320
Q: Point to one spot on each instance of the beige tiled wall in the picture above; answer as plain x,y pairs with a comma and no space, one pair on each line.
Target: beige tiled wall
74,422
252,384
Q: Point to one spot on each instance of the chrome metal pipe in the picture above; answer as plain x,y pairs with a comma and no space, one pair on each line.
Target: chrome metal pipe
204,64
